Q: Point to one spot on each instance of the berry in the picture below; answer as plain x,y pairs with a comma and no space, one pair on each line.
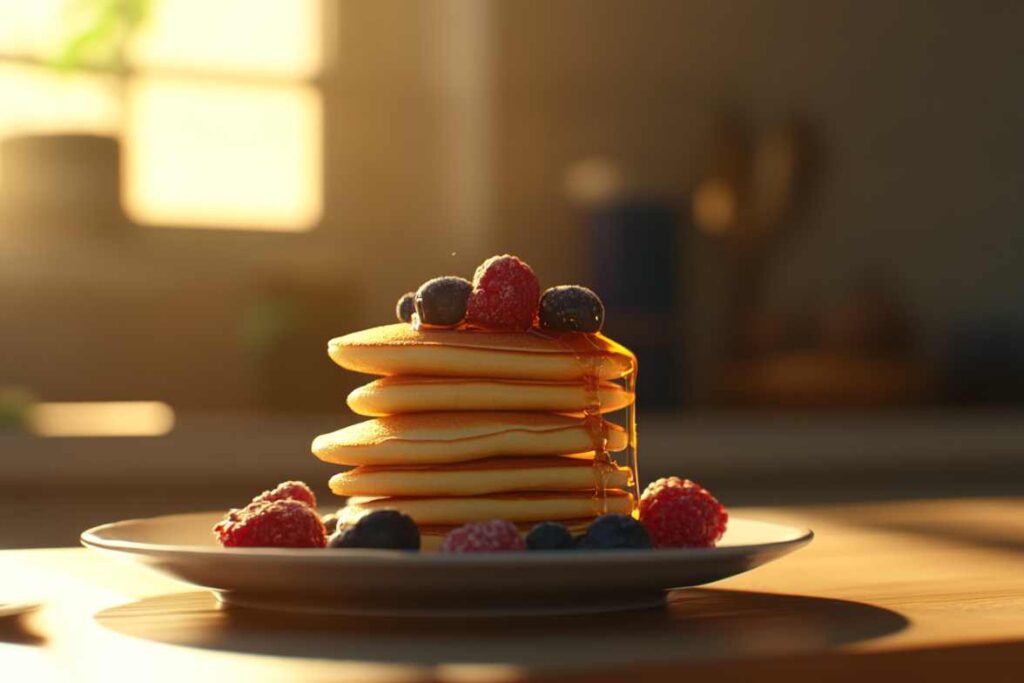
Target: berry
483,537
288,490
613,531
679,513
282,523
381,529
442,301
549,536
405,307
330,522
505,295
571,308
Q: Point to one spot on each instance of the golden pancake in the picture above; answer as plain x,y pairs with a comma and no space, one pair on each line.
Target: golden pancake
491,475
431,537
400,349
515,507
399,394
431,438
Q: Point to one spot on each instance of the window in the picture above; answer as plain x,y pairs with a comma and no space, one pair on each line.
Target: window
217,104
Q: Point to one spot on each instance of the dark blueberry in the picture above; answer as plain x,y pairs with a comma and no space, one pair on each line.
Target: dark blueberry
405,307
549,536
609,532
381,529
571,308
330,522
442,301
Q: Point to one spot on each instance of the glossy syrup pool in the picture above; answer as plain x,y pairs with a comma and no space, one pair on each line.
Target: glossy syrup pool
590,351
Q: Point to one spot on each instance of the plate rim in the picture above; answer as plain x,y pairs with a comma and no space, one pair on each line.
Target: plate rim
90,539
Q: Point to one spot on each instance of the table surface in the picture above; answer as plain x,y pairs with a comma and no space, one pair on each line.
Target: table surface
889,589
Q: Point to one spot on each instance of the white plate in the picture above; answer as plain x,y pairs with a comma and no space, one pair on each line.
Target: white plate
386,582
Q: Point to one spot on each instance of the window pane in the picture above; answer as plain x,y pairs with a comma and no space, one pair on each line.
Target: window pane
218,154
31,27
262,37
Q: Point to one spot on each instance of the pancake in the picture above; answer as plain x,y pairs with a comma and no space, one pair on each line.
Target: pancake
432,536
400,349
394,395
515,507
433,438
492,475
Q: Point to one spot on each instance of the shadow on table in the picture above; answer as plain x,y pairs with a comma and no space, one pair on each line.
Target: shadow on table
696,624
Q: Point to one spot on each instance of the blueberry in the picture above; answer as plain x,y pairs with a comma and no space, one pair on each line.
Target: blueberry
381,529
405,307
442,301
609,532
549,536
571,308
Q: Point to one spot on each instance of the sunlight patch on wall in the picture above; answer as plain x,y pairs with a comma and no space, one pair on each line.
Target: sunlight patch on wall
218,109
101,418
278,38
215,154
27,27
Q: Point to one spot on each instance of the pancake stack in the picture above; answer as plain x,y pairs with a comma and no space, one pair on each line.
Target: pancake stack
468,425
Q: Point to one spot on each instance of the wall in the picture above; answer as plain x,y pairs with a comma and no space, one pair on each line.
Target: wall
919,106
449,126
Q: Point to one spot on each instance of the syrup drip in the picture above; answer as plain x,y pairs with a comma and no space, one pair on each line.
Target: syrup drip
634,471
589,351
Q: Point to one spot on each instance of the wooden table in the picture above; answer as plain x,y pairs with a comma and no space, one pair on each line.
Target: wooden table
927,590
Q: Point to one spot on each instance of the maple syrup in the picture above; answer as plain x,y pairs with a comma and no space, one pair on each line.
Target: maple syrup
590,350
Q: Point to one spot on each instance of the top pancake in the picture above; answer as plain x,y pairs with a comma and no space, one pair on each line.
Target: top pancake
400,349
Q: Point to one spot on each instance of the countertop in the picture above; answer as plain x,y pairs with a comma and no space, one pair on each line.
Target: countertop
920,590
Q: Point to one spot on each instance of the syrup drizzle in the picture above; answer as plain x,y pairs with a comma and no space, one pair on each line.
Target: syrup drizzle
634,471
589,352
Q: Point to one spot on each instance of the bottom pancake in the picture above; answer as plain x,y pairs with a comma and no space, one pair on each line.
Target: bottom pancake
514,507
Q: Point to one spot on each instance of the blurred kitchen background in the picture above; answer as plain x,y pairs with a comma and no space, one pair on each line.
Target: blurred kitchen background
805,217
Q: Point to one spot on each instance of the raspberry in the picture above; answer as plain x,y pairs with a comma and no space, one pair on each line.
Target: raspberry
680,513
288,490
483,537
505,295
283,523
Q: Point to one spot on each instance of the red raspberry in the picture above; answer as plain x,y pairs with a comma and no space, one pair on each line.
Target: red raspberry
505,295
679,513
276,524
483,537
288,490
